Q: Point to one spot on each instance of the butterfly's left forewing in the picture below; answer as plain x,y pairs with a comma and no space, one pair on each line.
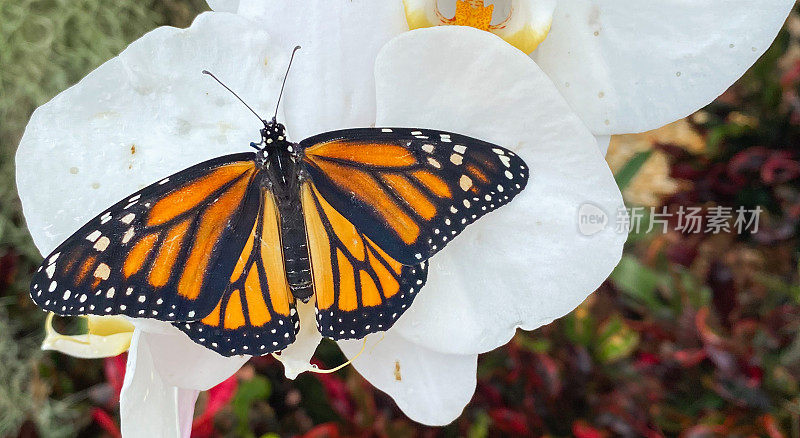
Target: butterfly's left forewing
152,254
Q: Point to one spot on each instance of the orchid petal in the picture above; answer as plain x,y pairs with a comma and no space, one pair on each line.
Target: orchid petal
527,263
430,387
630,66
187,398
331,85
142,116
162,379
148,406
186,364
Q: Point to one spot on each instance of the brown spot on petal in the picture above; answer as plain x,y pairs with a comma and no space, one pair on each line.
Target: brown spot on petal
397,375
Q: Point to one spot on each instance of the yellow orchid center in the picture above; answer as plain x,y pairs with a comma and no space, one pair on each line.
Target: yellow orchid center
524,23
473,13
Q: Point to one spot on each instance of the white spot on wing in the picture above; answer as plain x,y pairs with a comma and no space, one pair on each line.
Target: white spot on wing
94,236
465,182
128,235
102,271
102,244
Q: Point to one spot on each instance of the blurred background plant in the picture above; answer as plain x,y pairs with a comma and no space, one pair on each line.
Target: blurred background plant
693,335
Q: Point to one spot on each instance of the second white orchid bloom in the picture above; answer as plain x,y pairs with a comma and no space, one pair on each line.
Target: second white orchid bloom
624,66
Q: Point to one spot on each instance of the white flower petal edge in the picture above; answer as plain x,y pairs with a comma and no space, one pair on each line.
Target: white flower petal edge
630,66
430,387
603,142
223,5
331,84
527,263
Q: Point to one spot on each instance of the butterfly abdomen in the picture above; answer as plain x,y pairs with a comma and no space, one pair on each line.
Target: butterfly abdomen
295,251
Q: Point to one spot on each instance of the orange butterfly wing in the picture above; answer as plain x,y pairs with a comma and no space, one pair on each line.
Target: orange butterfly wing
380,202
411,191
155,254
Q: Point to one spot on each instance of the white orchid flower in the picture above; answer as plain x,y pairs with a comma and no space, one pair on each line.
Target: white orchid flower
149,113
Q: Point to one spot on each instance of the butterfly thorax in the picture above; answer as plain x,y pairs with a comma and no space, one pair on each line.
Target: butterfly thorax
282,176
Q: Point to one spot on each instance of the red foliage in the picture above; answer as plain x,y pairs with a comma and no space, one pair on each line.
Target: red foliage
104,420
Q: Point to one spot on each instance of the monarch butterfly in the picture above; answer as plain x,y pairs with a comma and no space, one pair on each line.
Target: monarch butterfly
223,249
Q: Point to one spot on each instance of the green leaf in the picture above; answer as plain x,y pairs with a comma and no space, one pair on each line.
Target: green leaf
480,428
617,341
579,326
631,168
257,388
534,345
638,281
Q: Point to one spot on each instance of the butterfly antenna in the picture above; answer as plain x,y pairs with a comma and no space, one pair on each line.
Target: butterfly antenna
206,72
275,117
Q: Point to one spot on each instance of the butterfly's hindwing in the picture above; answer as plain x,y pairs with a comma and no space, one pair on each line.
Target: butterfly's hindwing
152,254
411,191
256,314
359,288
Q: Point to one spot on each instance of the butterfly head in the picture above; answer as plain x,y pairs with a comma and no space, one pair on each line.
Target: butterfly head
273,141
273,133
